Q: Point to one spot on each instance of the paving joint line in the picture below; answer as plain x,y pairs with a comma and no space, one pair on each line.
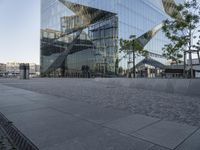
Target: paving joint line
147,125
190,135
131,136
76,116
102,125
27,110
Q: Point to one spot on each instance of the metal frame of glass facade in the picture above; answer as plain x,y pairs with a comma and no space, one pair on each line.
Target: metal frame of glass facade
82,36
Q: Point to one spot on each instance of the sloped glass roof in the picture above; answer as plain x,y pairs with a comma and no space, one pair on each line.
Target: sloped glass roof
151,62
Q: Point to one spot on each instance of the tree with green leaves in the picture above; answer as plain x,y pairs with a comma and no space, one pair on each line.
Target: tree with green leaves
132,46
181,30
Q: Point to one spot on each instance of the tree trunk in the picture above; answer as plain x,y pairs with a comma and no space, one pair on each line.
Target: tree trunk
129,61
191,65
198,55
190,54
134,75
184,73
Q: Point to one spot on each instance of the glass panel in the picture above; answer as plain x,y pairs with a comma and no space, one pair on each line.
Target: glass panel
80,34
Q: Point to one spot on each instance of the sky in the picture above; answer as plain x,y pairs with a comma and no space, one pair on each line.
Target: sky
19,31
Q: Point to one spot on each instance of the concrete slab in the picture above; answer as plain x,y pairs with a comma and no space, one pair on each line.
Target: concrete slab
21,108
164,133
149,84
131,123
158,148
178,86
170,86
89,112
193,89
139,83
7,90
2,87
47,127
124,82
192,143
159,85
13,100
62,118
181,86
42,98
103,139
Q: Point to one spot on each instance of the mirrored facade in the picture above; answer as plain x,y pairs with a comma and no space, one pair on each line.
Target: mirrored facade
80,36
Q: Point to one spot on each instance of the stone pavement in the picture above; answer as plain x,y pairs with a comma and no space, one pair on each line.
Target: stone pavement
167,106
54,122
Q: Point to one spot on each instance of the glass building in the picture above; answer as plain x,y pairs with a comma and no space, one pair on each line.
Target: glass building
82,36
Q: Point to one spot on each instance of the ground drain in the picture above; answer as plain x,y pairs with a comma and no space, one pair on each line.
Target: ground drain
11,138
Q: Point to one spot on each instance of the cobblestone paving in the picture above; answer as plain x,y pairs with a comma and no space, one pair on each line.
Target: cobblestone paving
171,107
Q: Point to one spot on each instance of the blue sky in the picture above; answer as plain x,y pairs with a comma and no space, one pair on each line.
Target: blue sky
19,30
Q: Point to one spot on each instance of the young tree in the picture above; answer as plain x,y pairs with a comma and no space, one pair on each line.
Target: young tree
132,46
181,32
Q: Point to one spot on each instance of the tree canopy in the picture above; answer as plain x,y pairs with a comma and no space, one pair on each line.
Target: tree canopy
132,45
181,30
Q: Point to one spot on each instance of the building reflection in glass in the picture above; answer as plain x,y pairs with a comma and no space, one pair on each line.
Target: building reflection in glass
81,36
86,39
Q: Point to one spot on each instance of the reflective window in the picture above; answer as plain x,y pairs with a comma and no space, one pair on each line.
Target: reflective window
79,33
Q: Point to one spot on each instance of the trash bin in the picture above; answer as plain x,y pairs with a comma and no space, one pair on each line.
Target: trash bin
24,71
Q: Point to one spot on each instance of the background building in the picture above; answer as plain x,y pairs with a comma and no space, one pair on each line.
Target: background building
12,68
34,70
82,36
196,67
2,69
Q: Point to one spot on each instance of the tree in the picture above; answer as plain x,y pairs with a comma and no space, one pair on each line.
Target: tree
132,46
181,32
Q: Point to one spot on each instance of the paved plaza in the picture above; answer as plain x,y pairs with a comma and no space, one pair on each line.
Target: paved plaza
83,114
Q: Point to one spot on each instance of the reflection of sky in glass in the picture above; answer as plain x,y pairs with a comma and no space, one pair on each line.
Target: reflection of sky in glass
135,17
